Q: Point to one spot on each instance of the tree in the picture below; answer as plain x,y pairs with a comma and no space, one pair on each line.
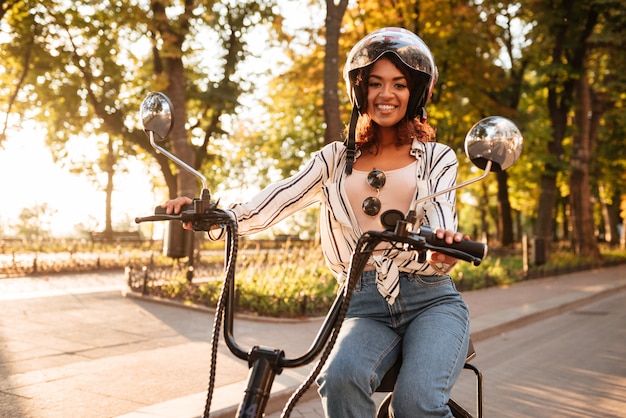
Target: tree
87,71
607,81
34,222
583,237
334,15
298,123
563,28
577,35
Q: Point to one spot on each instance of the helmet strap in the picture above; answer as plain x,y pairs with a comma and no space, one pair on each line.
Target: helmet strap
350,142
423,114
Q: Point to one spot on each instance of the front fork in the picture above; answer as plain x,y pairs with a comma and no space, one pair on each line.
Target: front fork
264,363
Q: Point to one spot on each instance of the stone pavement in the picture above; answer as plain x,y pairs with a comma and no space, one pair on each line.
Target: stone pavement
71,344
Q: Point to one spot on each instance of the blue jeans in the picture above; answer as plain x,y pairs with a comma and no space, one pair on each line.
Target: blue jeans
428,325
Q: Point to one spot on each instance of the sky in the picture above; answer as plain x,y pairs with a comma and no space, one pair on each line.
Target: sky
29,177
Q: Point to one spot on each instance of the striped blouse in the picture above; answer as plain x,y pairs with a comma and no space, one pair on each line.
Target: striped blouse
322,180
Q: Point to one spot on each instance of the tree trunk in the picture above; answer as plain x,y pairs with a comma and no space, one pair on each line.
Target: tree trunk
584,240
186,183
600,102
484,213
334,15
505,220
576,23
110,170
610,215
170,54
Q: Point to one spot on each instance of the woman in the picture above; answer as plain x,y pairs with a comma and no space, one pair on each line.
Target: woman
403,307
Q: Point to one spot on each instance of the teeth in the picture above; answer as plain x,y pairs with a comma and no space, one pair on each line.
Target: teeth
386,107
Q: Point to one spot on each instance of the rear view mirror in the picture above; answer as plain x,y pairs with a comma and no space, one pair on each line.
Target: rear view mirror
494,139
156,115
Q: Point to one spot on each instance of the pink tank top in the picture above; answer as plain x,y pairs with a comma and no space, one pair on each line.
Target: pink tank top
397,193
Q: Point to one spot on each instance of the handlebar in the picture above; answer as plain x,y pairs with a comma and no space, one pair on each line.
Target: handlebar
204,215
187,214
422,240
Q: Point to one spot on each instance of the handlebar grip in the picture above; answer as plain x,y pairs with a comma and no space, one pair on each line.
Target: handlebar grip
474,248
159,210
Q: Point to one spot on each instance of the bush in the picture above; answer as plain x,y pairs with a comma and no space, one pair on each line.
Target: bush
288,282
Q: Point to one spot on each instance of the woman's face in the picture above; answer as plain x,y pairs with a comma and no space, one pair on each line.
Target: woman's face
387,94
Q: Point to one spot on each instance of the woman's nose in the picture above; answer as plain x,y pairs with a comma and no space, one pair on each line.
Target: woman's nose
386,91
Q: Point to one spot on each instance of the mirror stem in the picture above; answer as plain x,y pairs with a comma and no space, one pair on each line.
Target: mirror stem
178,161
449,189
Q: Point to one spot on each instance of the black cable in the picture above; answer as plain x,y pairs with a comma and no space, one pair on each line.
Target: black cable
362,252
232,246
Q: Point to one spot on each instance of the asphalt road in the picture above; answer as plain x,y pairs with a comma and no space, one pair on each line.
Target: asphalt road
75,349
571,365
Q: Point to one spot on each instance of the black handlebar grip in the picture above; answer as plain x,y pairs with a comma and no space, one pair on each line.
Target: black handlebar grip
159,210
474,248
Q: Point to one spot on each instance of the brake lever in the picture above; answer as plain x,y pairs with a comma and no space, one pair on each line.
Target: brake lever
424,239
160,215
202,213
461,255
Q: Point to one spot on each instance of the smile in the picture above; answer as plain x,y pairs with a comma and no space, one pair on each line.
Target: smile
385,108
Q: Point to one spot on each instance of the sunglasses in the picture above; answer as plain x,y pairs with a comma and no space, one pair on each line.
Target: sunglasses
376,179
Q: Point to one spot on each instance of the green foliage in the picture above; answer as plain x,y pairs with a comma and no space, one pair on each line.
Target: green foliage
291,281
286,283
83,67
35,222
493,271
294,282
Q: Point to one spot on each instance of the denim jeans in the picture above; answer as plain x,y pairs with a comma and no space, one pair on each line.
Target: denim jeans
428,325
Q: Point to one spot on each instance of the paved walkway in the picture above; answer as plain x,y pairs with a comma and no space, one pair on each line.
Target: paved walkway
493,311
62,338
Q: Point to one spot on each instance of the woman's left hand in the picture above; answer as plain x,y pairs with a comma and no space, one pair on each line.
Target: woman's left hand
449,237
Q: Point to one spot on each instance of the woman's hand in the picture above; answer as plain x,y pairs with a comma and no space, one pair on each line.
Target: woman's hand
442,261
175,205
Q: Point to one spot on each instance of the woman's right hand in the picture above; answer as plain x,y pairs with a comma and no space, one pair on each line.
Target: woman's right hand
174,206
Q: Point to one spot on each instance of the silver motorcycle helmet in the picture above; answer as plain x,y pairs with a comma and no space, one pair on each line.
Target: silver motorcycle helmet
411,51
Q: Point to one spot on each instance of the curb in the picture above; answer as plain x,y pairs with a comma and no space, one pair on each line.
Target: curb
128,292
541,314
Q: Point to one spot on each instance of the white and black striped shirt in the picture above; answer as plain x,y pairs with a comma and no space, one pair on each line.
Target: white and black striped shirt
322,180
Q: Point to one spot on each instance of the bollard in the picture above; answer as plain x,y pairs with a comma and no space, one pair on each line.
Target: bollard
539,251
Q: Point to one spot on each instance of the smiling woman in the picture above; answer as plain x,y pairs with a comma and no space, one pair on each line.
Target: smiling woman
31,178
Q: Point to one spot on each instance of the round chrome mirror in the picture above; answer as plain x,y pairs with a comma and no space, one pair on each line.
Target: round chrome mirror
494,139
156,115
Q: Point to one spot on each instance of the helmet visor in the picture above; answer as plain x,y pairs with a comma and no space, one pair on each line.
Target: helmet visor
406,45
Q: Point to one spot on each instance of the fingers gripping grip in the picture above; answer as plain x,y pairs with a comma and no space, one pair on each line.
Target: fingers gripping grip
159,210
474,248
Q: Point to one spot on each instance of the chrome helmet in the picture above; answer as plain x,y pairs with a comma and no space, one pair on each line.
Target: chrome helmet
411,51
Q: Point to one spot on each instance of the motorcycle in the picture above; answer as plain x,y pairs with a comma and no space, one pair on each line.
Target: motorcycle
492,144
